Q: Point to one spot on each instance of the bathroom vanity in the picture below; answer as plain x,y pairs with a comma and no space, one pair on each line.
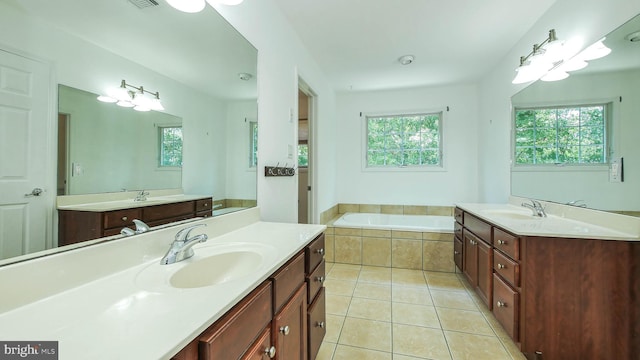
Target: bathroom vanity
561,288
254,290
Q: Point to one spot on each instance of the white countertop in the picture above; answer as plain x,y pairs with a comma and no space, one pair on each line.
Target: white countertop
100,206
561,221
113,315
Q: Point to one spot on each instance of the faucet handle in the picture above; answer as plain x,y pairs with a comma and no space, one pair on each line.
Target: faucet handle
183,234
140,226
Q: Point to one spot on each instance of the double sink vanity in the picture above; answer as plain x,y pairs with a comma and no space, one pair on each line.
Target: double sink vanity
252,290
564,283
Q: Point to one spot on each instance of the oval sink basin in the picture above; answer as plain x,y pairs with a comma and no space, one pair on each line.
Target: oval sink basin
511,214
217,269
212,265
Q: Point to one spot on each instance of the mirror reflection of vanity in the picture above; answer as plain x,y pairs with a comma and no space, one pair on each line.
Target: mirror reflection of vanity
613,80
193,62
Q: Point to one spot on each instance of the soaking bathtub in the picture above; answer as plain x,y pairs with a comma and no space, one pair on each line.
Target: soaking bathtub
424,223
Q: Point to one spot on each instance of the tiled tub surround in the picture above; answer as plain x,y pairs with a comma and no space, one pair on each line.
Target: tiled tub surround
417,250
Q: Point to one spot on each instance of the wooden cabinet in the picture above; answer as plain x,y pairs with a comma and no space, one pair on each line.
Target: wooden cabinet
76,226
276,320
558,298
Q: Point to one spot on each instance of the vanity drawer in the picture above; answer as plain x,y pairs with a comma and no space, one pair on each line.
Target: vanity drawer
232,335
457,252
457,214
457,229
317,323
260,348
121,218
287,280
315,280
480,228
506,306
314,253
507,243
203,205
507,268
167,211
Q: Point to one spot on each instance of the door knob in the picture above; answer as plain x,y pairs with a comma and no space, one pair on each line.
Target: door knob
34,192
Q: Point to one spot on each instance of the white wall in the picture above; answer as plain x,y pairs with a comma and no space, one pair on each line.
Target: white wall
281,59
456,183
588,20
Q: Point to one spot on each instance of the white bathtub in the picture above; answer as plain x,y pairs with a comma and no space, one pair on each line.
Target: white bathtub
424,223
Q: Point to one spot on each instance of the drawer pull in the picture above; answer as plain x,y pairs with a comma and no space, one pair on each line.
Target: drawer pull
207,205
124,218
271,352
500,266
501,304
320,324
284,330
456,253
320,251
320,279
502,242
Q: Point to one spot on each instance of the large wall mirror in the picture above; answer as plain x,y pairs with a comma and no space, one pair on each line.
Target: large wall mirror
204,71
613,82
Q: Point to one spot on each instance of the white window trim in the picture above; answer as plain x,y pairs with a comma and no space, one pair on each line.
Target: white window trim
252,168
415,168
612,132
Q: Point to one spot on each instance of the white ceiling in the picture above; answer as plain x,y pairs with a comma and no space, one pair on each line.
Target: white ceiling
357,42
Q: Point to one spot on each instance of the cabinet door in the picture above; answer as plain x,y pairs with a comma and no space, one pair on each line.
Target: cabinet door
457,252
470,251
485,270
262,348
317,324
290,328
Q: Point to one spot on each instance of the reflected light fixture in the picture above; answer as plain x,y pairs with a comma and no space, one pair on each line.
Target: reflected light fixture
131,96
406,59
194,6
549,61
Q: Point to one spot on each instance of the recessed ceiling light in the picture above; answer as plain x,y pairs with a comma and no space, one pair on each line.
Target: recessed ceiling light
245,76
406,59
633,37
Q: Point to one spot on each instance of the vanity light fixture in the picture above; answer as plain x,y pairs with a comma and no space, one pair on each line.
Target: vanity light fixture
131,96
194,6
549,61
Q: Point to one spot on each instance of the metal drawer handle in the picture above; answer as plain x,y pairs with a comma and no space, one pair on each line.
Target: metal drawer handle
271,352
500,266
124,218
320,324
456,253
501,304
320,279
502,242
284,330
320,251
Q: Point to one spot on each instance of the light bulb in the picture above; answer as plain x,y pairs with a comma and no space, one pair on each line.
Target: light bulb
106,99
188,6
141,108
555,75
126,104
224,2
595,51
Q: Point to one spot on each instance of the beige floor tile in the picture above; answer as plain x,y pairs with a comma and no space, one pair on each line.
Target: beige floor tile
453,299
407,277
328,266
411,314
337,304
420,342
404,357
512,349
347,266
370,309
475,347
373,291
340,273
444,281
334,327
340,287
495,325
464,320
411,294
344,352
374,335
326,351
373,275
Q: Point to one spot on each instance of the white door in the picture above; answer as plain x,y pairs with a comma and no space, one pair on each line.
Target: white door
24,156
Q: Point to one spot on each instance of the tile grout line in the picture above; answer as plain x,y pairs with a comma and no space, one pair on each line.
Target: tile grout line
424,274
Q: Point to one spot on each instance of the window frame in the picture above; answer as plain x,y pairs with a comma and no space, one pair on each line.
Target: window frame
610,114
160,138
440,167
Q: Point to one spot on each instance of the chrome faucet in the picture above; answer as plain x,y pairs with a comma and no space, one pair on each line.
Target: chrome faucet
141,227
536,208
577,203
181,247
141,196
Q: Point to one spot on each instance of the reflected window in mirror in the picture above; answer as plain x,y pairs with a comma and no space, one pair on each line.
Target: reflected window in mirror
170,146
303,154
253,144
561,135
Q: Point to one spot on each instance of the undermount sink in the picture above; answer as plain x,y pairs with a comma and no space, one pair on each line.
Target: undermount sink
211,265
512,214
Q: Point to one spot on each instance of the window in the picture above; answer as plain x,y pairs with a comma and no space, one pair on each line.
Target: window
413,140
561,135
170,146
253,144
